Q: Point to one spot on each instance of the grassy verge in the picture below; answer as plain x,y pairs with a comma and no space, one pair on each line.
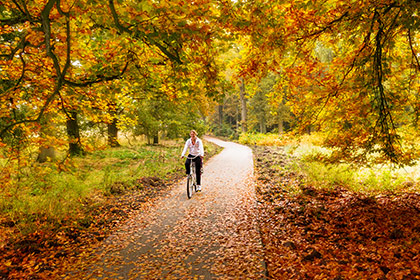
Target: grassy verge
331,222
58,208
372,179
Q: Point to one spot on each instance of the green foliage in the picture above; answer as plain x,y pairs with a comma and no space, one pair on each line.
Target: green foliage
369,180
199,126
48,192
160,116
266,109
374,178
54,196
224,130
262,139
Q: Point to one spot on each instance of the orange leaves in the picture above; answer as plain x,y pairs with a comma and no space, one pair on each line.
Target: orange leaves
328,51
35,37
334,233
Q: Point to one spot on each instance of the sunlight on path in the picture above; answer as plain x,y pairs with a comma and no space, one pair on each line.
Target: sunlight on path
213,235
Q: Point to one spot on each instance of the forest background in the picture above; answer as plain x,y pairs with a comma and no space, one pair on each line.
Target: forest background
80,80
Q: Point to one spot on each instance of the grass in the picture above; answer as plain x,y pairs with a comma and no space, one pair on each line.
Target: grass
47,193
374,179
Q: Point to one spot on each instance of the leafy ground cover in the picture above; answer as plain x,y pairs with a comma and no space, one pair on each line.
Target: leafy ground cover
332,231
117,183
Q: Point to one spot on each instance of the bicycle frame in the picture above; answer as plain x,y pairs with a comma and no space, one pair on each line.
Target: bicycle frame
191,178
192,165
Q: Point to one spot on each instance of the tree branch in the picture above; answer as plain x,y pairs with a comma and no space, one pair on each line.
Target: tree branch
21,76
326,27
414,54
174,57
385,120
99,78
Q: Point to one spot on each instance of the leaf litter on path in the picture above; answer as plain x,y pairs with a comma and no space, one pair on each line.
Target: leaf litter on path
214,235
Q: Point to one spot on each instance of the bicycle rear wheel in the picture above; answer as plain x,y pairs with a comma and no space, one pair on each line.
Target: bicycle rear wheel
193,175
190,186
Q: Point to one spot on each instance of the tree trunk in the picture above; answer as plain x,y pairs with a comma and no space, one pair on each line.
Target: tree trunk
155,139
263,126
46,149
113,134
309,129
281,126
112,127
75,147
243,106
45,153
220,111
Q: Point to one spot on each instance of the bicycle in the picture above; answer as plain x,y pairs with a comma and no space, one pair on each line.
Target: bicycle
191,178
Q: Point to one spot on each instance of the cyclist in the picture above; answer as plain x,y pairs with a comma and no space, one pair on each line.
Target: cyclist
196,149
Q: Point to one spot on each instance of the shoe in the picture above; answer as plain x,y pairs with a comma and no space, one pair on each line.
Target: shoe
198,188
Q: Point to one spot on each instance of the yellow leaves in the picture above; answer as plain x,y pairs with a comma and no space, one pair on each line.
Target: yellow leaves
66,5
146,6
35,37
169,89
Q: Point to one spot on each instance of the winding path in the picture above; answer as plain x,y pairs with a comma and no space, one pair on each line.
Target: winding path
213,235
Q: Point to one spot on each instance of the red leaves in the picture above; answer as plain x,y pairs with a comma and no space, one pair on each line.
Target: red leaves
337,234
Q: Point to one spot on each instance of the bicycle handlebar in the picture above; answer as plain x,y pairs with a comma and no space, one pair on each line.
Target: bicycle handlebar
191,157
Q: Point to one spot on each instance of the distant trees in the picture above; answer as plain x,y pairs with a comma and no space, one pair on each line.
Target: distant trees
350,68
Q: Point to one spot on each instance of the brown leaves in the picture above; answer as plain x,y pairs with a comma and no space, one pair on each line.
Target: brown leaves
45,253
338,234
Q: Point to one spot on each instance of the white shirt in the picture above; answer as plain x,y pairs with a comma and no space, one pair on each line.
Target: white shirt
195,150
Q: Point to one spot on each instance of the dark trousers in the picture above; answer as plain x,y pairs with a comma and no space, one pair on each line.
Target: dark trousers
198,164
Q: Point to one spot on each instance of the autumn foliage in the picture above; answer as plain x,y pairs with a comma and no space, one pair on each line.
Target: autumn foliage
73,74
348,68
66,63
333,233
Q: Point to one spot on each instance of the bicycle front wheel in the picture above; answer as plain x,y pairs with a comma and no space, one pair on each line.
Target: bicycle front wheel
190,186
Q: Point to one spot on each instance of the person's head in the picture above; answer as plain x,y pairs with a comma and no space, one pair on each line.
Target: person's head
193,134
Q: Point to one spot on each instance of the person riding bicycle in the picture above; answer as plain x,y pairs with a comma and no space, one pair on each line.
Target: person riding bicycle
196,149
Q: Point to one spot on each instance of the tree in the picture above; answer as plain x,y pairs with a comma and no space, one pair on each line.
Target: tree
266,110
361,93
162,29
55,56
73,131
244,110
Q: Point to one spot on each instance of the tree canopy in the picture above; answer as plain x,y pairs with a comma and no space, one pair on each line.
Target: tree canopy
346,68
350,67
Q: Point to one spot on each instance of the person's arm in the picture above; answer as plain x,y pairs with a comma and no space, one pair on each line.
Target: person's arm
185,148
201,149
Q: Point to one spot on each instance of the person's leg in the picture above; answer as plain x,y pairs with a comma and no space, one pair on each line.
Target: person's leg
187,166
198,164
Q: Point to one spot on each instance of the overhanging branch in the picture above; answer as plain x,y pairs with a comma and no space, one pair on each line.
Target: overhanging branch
172,56
99,78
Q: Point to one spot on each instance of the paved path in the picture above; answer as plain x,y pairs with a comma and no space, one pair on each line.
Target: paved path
213,235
